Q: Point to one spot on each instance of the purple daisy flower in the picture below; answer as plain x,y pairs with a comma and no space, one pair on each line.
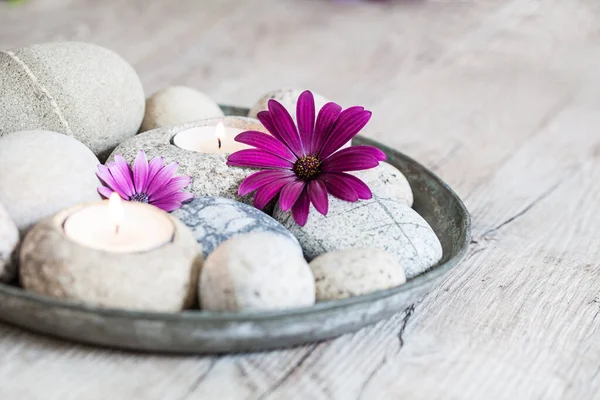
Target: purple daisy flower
303,164
148,182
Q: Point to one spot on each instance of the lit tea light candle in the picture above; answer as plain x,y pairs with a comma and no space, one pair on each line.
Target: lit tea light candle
119,227
212,139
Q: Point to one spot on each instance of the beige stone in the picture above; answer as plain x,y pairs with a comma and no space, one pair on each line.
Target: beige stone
256,271
79,89
385,180
43,172
176,105
288,98
354,272
163,279
383,223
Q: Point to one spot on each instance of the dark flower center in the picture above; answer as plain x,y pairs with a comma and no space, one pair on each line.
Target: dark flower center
307,167
139,197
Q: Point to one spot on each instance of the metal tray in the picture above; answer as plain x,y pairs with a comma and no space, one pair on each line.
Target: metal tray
209,332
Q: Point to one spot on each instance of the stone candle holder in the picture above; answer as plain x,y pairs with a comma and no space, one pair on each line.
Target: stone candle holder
211,176
163,279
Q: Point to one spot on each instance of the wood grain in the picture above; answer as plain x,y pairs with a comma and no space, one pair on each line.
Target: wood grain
499,97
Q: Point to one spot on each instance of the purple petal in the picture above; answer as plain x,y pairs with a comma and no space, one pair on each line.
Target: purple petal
266,119
349,123
349,159
374,151
161,178
172,187
265,193
290,193
106,177
301,209
168,205
182,196
267,143
285,126
255,158
317,193
361,188
174,202
325,121
105,192
121,171
339,187
140,172
305,115
155,165
261,178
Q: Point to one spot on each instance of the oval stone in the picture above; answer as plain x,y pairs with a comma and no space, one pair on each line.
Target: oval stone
176,105
288,98
256,271
214,220
9,238
354,272
79,89
383,223
385,180
43,172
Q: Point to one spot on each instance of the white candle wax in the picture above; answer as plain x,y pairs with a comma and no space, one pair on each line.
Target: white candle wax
141,228
217,139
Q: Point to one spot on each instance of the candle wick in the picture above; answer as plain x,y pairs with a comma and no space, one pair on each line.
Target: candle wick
219,140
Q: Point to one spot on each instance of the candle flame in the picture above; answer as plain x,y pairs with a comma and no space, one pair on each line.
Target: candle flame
115,208
220,131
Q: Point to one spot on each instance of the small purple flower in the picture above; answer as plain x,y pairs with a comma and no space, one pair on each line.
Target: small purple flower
151,183
303,164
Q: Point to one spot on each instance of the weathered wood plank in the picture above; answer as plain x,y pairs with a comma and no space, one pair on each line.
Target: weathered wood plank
499,97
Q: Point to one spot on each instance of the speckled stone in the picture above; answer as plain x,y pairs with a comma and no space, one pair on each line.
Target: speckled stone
176,105
387,181
382,223
79,89
43,172
354,272
163,279
256,271
288,98
210,173
214,220
9,239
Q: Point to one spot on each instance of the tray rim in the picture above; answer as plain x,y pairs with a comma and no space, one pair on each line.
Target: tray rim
254,316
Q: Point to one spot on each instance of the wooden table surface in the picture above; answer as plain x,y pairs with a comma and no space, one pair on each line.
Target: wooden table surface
501,98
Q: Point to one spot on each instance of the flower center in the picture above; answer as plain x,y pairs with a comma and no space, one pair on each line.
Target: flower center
140,198
307,167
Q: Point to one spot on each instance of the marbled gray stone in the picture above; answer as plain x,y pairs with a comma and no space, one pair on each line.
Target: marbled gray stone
43,172
354,272
79,89
9,239
382,223
214,220
256,271
176,105
385,180
211,176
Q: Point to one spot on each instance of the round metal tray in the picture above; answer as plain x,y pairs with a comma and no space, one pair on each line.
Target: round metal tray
197,331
